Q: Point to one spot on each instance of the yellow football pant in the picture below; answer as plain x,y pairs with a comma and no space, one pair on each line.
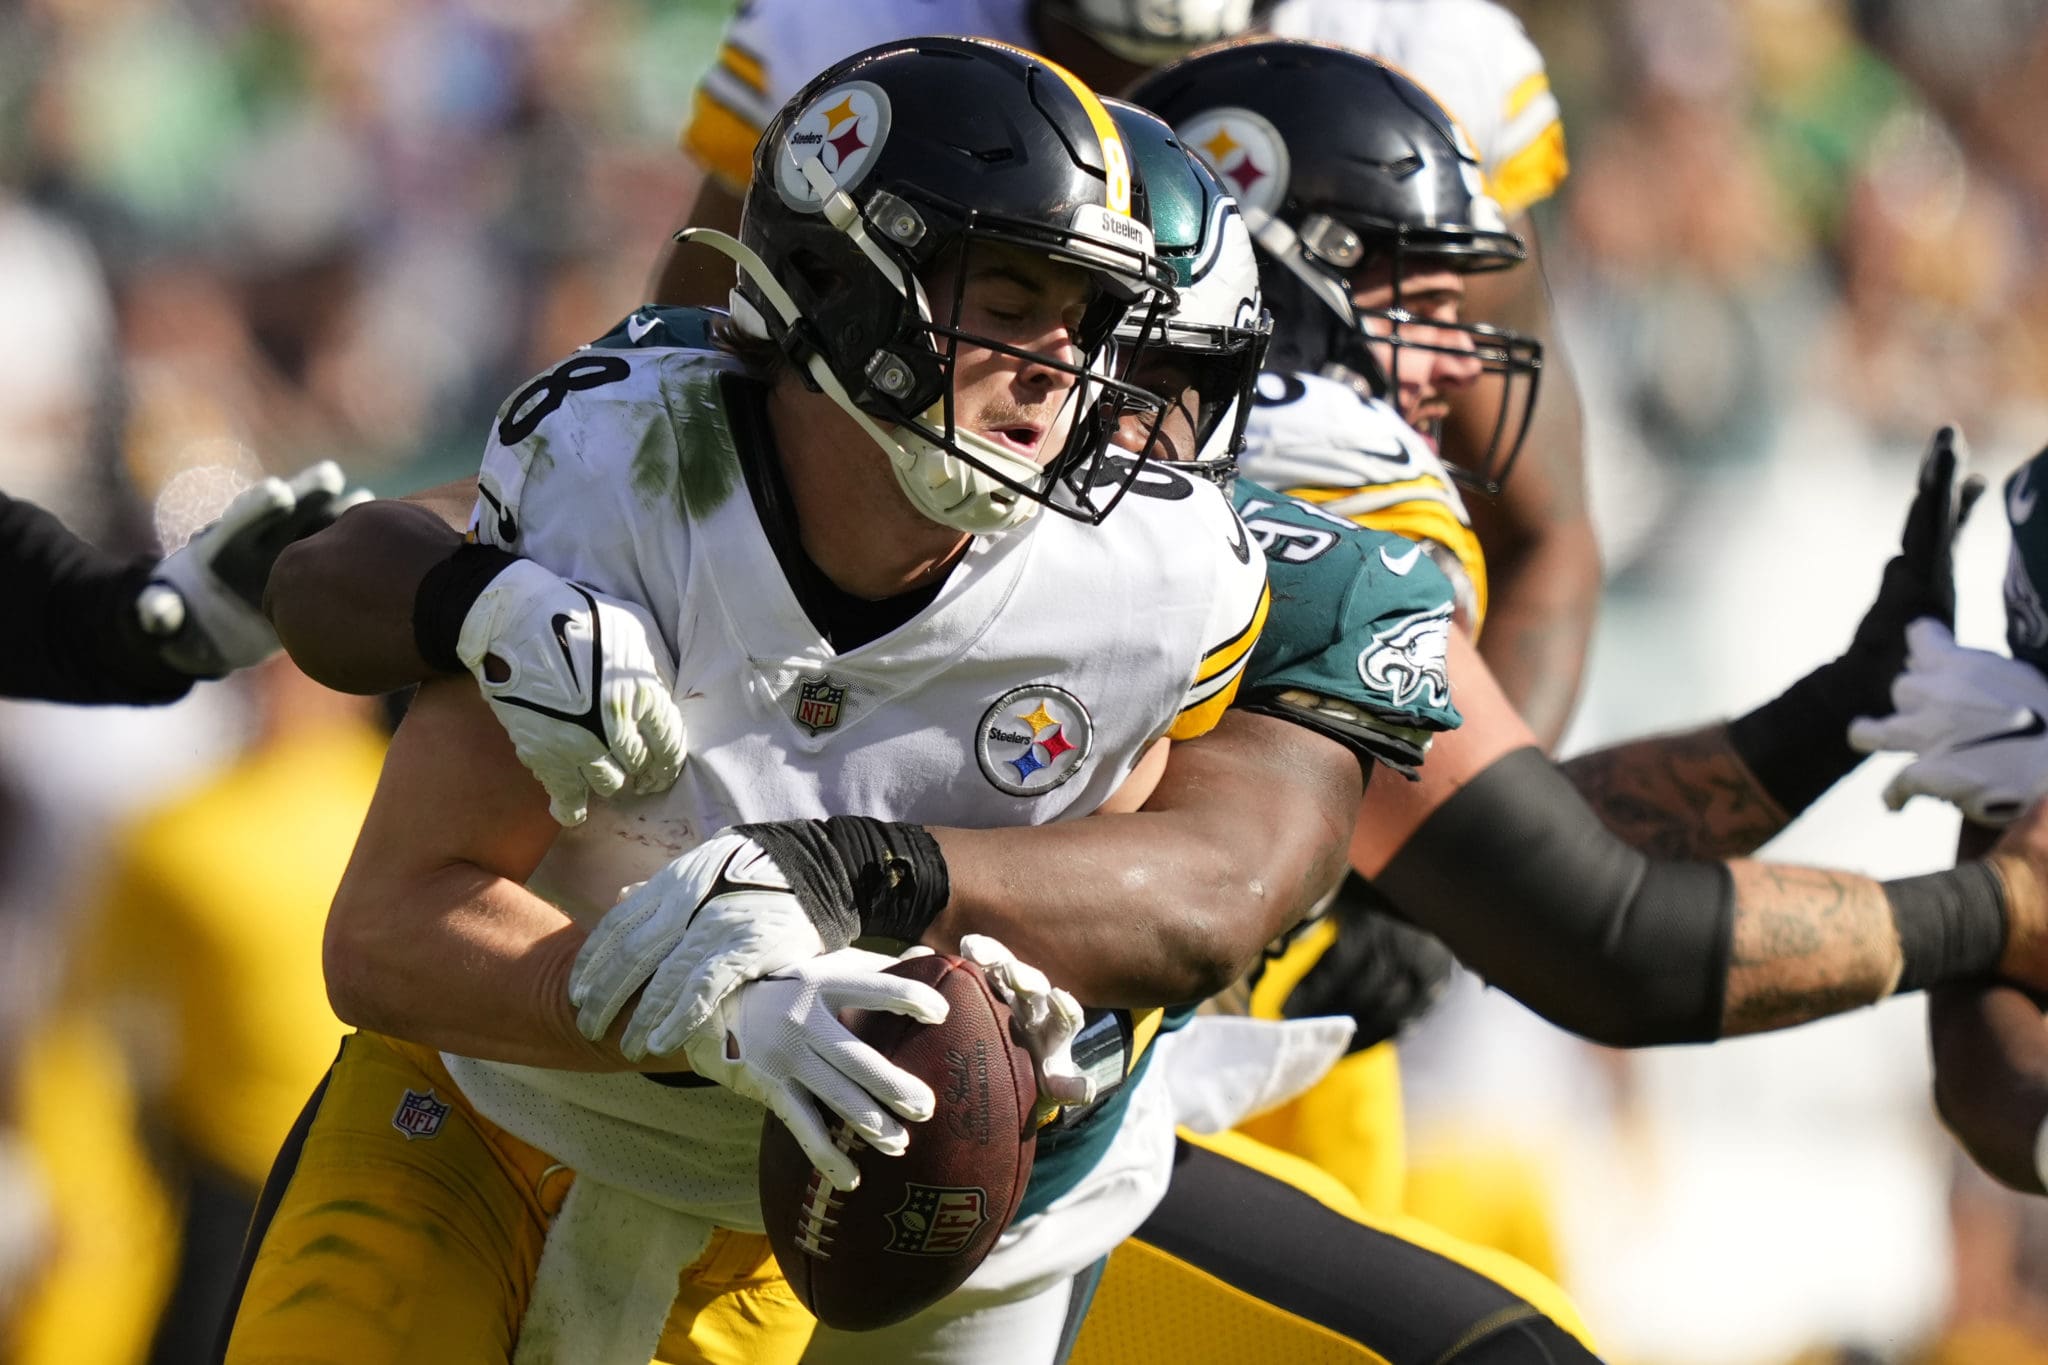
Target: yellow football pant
382,1248
1257,1257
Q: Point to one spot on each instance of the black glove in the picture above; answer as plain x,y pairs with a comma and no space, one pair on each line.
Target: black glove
1382,971
1797,744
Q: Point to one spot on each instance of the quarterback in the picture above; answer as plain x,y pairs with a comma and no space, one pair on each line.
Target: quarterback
1471,54
863,526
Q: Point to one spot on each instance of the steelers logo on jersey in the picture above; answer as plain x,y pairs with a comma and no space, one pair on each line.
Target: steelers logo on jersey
1245,151
1033,739
843,129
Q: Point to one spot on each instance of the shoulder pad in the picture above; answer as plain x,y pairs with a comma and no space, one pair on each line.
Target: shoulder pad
657,325
1359,616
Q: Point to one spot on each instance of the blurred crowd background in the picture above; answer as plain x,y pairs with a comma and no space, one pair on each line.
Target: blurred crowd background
237,236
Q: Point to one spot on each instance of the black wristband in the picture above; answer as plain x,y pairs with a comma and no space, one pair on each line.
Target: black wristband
1951,924
1797,743
856,876
446,594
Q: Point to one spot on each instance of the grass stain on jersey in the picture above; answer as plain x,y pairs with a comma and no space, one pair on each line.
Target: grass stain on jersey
700,463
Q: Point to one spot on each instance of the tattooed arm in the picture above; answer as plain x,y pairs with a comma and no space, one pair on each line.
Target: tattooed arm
1496,853
1686,795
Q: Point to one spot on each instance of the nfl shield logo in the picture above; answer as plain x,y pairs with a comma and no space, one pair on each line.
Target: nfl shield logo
817,703
419,1116
935,1220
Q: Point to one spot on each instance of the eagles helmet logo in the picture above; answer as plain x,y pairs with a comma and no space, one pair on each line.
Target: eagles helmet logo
843,129
1409,661
1246,152
1033,739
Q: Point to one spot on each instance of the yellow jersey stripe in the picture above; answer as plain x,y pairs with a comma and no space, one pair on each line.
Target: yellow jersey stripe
745,67
1144,1028
1529,89
1532,174
1218,676
1237,646
721,140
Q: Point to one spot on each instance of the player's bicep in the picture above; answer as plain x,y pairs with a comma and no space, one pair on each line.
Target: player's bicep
1491,729
452,791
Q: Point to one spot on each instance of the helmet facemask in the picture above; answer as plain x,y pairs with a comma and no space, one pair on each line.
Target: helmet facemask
1325,258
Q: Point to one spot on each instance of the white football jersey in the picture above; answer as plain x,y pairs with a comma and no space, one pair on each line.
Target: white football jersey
1025,692
1472,55
1323,441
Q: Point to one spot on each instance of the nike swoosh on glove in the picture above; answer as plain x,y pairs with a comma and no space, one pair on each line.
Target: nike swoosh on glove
717,917
580,681
205,601
779,1041
1978,722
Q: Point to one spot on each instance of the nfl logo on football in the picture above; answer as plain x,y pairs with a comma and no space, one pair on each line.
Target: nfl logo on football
937,1221
817,703
419,1116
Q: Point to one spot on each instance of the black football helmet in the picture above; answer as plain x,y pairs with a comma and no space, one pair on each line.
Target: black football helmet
1341,163
911,156
1149,32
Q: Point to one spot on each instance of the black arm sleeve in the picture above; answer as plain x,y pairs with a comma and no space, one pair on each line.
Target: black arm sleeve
1519,878
67,626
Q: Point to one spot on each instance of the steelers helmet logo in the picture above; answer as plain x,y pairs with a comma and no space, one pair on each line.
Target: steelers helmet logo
1033,739
843,131
1246,153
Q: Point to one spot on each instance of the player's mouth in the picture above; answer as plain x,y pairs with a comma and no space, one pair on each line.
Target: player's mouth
1020,438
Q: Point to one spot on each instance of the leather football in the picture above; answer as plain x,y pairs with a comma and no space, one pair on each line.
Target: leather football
918,1224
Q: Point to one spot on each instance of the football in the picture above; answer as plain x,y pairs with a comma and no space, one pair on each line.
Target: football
918,1224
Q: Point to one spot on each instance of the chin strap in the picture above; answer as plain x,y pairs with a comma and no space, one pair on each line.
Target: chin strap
939,483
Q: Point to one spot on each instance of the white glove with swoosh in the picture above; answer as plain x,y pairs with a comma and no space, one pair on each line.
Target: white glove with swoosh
1977,720
580,681
717,917
779,1041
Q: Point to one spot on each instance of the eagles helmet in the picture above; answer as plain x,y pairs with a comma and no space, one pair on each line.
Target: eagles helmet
1341,163
909,157
1214,341
1152,31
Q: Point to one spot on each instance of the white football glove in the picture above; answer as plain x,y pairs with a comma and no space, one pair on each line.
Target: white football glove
717,917
582,683
1048,1016
779,1041
1977,720
205,601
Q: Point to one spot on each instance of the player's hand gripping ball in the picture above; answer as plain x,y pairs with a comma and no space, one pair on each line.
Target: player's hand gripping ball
918,1224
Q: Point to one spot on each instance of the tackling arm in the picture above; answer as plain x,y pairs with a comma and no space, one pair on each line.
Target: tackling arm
1493,852
1174,902
1541,557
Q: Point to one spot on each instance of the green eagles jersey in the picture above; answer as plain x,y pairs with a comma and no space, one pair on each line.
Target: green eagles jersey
1355,643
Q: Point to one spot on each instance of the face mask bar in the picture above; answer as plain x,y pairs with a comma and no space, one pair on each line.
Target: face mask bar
1326,253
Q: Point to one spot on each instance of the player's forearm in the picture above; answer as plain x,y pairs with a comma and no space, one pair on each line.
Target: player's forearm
1990,1047
1805,943
1684,795
1540,621
462,961
695,276
1171,903
342,601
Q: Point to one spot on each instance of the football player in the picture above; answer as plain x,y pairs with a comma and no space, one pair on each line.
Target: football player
1974,721
863,523
1208,1264
1471,54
